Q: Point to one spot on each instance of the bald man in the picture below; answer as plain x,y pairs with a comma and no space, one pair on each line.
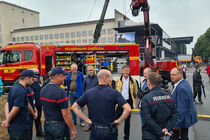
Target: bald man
101,102
182,94
144,90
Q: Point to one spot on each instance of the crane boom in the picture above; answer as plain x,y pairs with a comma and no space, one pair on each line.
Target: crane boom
97,32
136,6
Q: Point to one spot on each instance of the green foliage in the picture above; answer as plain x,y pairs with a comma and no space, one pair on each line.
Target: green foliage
202,46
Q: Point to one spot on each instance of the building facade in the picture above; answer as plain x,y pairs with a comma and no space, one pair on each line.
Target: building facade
15,17
19,24
73,33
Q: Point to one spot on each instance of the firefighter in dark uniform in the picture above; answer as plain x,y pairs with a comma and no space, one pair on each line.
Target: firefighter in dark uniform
18,109
101,102
55,105
36,86
159,111
31,100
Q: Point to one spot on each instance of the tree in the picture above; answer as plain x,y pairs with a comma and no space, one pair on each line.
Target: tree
202,46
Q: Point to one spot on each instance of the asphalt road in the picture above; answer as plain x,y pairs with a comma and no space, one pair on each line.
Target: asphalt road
199,131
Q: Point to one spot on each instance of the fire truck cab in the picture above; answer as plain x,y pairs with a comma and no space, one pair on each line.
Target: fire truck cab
16,58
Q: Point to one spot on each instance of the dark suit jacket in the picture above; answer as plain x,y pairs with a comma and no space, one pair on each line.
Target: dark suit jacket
184,102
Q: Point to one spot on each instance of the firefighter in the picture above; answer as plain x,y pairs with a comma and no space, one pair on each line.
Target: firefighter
17,109
36,87
159,110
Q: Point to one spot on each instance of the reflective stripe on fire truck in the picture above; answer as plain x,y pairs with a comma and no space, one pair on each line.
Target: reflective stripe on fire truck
15,46
134,58
19,67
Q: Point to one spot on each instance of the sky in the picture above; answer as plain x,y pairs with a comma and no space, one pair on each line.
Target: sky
178,18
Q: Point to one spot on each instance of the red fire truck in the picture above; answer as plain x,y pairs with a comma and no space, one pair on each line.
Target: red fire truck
15,58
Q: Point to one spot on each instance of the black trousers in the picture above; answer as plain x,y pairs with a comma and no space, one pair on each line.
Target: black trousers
54,130
100,133
19,134
31,128
197,91
184,134
119,112
38,121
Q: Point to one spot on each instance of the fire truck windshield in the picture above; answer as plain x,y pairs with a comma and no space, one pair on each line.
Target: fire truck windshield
1,58
13,56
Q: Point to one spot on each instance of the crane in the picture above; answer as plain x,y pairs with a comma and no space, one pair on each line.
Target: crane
100,23
136,6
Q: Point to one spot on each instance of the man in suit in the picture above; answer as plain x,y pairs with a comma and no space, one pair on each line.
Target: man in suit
182,93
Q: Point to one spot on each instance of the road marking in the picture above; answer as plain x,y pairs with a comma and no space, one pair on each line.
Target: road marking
203,116
198,115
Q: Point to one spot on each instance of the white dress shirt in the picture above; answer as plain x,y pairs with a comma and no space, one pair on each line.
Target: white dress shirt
175,85
125,88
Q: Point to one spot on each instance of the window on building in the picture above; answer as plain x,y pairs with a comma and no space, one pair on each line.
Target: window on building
110,40
51,36
18,39
90,40
67,42
57,43
110,31
67,35
31,38
73,41
36,37
51,43
41,37
45,37
45,43
72,34
27,38
103,31
103,40
22,38
90,32
28,54
13,39
1,39
84,41
84,33
41,43
78,41
61,35
78,34
56,35
61,42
